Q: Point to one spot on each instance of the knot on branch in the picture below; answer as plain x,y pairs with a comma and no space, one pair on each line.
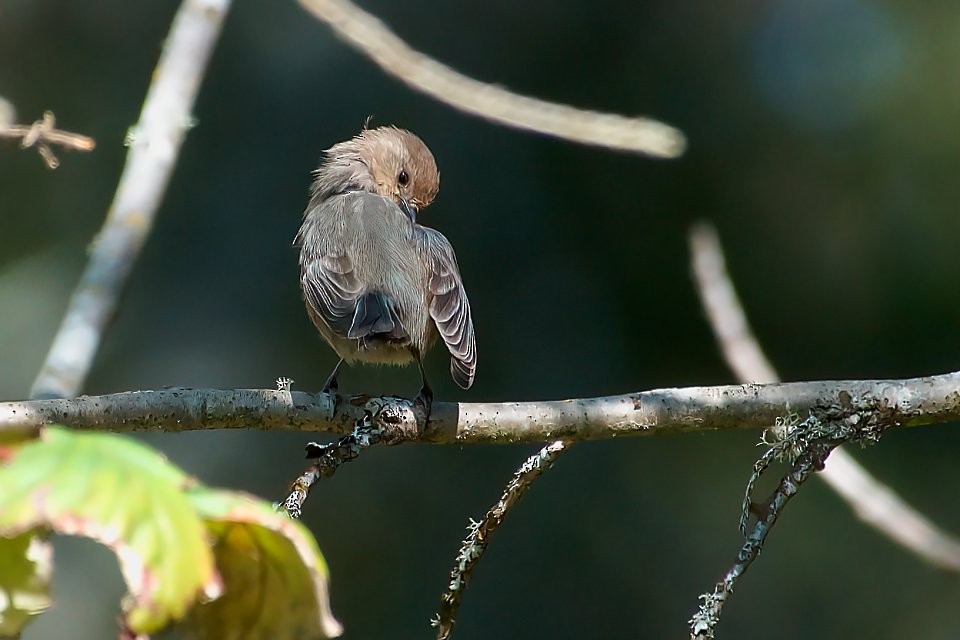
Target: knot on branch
396,419
806,444
864,419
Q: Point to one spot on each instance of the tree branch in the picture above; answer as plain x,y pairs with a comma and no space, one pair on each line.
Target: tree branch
154,144
874,502
910,402
368,34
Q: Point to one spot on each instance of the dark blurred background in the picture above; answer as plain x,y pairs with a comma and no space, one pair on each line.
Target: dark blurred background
823,143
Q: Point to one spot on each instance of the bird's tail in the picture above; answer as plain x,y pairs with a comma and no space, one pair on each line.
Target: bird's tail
376,320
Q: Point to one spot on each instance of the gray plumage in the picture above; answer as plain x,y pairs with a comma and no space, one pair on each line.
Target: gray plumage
378,286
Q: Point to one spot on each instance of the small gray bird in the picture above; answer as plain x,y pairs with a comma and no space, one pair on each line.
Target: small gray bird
377,285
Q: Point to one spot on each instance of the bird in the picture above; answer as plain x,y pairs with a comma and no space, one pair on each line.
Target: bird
378,286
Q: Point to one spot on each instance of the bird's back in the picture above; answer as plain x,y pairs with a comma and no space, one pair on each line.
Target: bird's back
364,243
380,238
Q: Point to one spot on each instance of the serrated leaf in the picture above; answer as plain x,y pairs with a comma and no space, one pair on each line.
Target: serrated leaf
25,568
274,577
124,495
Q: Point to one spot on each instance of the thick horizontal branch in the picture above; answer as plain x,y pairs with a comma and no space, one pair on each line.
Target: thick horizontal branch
911,402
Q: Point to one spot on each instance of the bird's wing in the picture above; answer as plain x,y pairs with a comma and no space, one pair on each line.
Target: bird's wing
448,304
330,284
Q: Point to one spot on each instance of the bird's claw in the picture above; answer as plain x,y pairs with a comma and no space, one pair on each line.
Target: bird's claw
424,401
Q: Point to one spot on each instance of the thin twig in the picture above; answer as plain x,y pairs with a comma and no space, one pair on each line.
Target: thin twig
299,492
329,457
154,145
368,34
41,134
478,539
874,502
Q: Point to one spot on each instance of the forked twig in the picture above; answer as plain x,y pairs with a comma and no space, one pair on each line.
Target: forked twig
806,464
43,133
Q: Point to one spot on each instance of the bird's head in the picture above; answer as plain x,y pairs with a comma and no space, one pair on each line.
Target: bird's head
388,161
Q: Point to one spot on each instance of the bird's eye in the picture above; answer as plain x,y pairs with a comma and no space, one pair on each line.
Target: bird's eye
403,178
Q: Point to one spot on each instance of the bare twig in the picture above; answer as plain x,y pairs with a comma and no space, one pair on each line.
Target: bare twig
154,144
368,34
871,500
910,402
41,134
479,533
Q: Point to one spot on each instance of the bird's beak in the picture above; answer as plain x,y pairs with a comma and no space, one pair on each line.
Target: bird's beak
409,209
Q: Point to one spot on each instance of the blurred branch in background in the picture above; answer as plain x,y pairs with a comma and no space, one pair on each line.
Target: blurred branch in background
909,402
368,34
41,134
478,539
155,142
871,500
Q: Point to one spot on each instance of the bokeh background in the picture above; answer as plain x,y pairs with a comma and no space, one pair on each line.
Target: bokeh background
823,143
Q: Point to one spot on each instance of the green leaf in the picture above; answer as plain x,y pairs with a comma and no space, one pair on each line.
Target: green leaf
274,577
25,567
124,495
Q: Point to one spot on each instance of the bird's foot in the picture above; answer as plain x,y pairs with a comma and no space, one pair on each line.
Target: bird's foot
331,386
424,401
